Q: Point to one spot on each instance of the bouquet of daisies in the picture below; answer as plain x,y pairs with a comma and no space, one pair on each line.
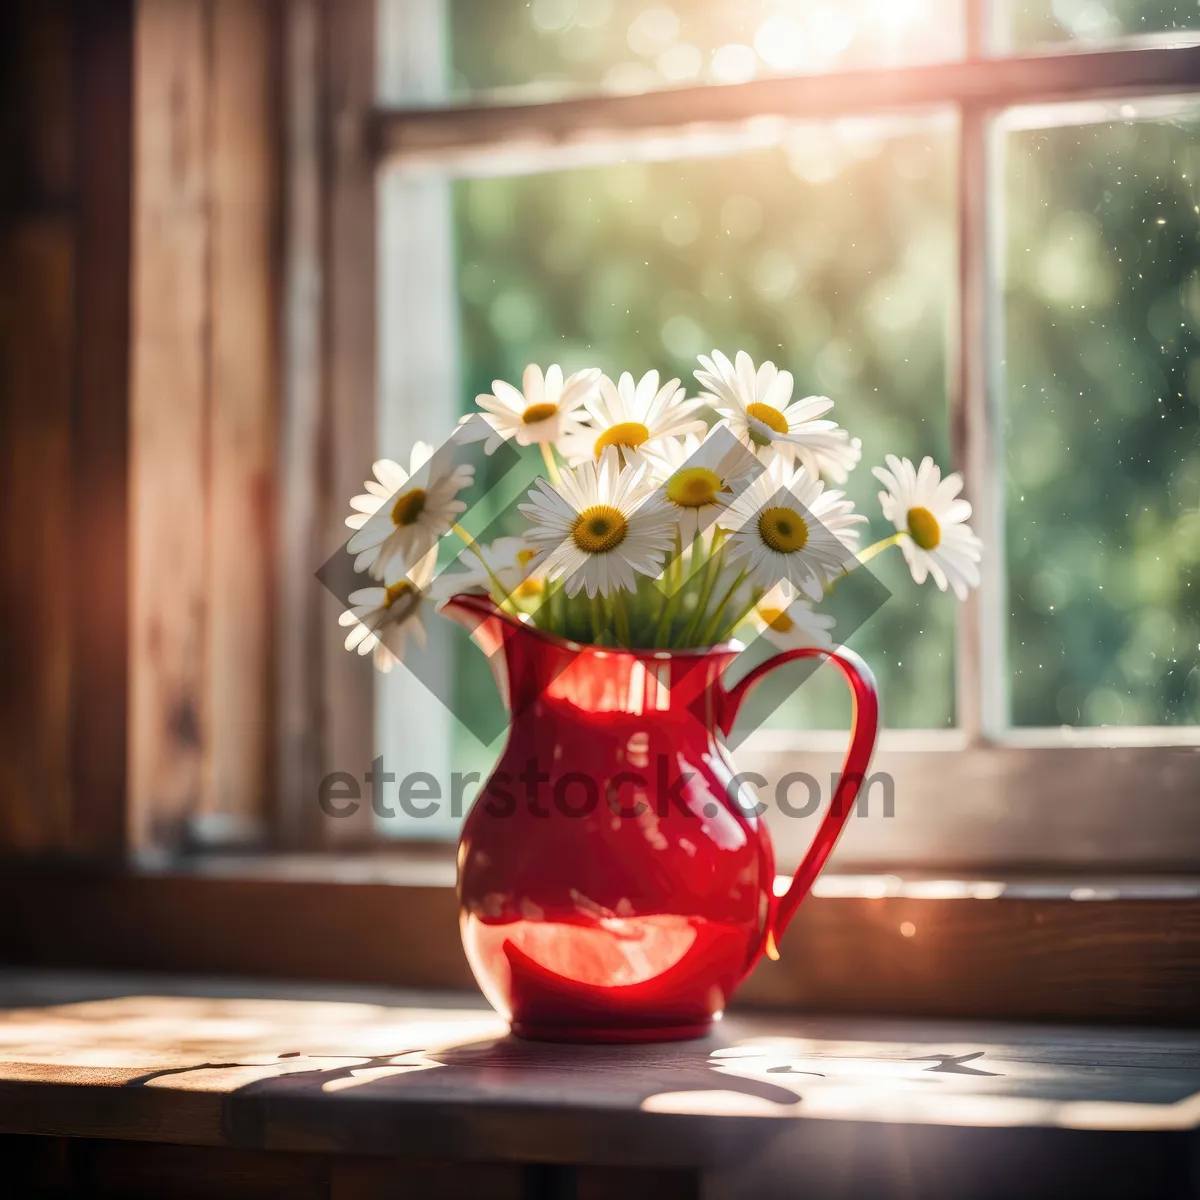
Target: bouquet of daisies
651,528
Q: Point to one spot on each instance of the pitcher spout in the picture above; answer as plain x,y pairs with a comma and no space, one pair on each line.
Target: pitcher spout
527,662
481,618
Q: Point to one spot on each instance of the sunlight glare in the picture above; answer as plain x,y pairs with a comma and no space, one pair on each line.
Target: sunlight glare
781,43
734,63
898,15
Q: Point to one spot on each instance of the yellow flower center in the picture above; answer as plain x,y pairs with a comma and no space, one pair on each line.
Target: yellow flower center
768,415
527,588
408,507
777,619
924,529
397,591
694,487
627,433
599,529
538,412
783,529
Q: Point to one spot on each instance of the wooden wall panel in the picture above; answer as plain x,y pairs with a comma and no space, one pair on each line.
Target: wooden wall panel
35,494
243,407
37,564
328,432
301,494
203,420
142,249
1032,953
103,125
348,680
171,380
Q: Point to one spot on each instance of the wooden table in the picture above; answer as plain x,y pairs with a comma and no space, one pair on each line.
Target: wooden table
159,1086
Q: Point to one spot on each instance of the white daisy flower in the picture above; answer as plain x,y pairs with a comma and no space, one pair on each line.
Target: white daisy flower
545,409
755,407
384,618
792,530
923,505
699,479
397,519
790,622
600,526
509,559
631,417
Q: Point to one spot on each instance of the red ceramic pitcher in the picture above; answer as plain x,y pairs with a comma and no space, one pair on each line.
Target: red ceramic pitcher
612,888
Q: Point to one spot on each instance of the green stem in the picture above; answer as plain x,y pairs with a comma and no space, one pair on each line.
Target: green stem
675,587
501,596
865,556
551,465
553,605
714,624
597,607
620,618
729,627
712,569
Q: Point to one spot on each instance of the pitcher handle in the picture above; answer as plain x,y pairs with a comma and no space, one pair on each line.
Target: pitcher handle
864,725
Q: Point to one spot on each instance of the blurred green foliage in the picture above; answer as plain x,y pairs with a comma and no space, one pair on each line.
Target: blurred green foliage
1028,22
833,255
548,48
1103,420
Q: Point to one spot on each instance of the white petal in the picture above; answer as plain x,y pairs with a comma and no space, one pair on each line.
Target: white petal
533,384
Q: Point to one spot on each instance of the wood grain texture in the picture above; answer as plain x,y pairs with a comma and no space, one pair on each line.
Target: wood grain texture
38,559
1025,956
169,404
140,418
765,1106
1032,959
328,435
235,926
349,437
103,123
142,201
243,410
36,268
301,494
203,419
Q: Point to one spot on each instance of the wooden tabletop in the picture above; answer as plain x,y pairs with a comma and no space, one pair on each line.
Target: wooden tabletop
302,1068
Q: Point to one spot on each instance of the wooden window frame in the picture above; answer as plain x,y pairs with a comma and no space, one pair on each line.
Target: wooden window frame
980,795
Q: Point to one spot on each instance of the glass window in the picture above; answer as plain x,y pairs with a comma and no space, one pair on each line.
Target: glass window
1025,23
831,247
1102,311
548,48
831,254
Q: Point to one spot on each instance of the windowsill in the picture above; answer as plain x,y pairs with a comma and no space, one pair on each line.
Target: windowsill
346,1072
417,865
1074,948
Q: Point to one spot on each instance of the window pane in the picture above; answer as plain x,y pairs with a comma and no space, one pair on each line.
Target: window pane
1103,393
831,255
1027,23
551,47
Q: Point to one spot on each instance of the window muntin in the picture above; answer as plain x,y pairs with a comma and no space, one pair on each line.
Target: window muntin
956,784
831,254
